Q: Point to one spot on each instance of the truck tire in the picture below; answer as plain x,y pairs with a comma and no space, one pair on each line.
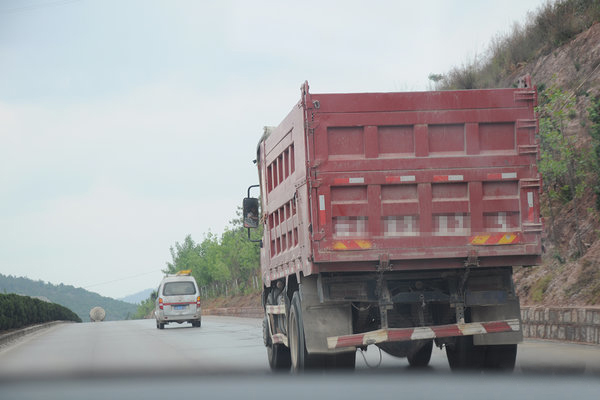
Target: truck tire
277,354
463,355
300,358
342,361
161,325
396,349
501,357
421,357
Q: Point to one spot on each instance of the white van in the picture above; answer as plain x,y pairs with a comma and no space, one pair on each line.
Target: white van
178,300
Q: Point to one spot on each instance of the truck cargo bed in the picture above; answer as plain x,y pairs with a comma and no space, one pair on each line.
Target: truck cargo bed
420,180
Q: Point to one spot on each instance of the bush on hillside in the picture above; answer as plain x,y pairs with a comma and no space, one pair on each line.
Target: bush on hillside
19,311
548,28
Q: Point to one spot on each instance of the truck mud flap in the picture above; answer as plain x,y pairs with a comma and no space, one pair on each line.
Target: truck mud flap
419,333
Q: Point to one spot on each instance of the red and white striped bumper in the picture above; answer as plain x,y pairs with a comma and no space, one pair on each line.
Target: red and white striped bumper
428,332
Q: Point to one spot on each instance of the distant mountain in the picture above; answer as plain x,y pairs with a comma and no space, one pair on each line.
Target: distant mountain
79,300
138,297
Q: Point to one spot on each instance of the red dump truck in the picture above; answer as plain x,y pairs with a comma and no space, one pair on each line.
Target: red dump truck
396,219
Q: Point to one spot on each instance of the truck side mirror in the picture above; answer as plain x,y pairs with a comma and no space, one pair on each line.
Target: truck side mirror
250,212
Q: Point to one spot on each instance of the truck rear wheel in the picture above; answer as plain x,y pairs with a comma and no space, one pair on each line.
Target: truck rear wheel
279,357
463,355
277,354
342,361
422,356
301,359
501,357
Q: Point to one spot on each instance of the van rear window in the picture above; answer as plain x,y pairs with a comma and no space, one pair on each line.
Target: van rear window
178,288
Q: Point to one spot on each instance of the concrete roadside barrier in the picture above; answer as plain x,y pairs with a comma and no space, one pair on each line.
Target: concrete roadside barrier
569,324
13,335
247,312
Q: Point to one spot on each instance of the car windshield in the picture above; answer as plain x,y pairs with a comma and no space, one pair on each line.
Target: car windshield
178,288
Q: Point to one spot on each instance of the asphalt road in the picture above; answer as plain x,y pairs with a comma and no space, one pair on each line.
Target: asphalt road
227,356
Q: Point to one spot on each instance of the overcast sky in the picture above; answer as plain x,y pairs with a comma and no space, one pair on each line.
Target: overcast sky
126,125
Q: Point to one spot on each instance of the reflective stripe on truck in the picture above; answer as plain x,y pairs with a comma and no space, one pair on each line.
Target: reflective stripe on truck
419,333
322,214
496,239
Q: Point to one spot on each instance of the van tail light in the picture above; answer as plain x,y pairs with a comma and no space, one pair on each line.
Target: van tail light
160,303
198,301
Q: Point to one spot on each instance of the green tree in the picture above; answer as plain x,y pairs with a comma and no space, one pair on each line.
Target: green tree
564,165
212,267
594,117
230,261
184,256
204,259
240,254
146,307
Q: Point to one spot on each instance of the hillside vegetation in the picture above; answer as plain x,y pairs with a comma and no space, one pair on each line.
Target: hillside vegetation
223,265
79,300
19,311
545,30
559,47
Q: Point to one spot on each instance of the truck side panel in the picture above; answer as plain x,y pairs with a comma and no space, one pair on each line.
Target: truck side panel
285,203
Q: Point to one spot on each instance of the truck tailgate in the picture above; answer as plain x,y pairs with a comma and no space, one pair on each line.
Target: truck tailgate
420,177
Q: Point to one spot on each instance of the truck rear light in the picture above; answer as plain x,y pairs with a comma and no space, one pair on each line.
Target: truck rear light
198,301
160,303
